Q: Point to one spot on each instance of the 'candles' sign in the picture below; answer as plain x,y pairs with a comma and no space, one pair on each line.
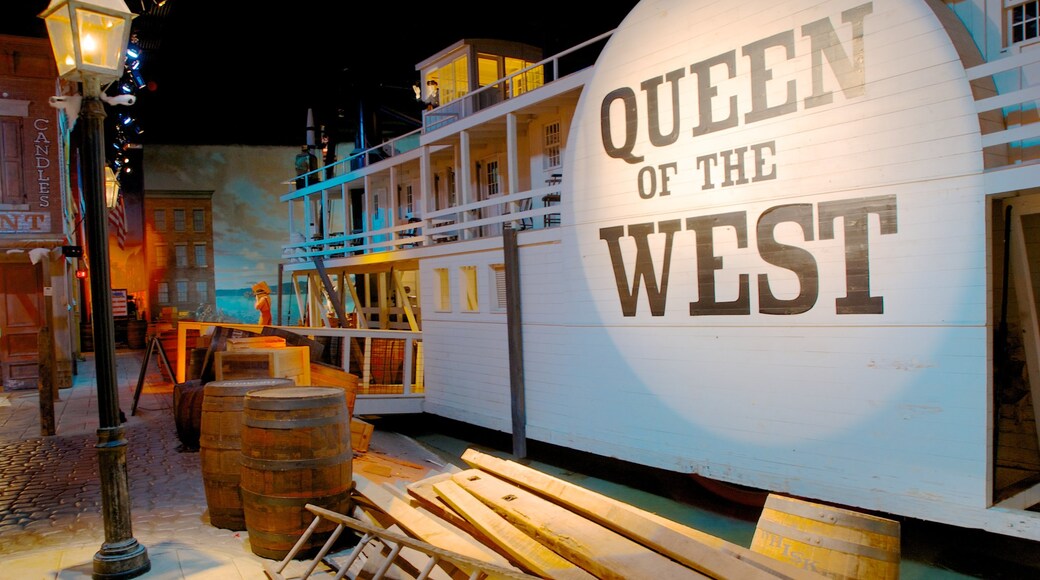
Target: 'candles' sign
42,161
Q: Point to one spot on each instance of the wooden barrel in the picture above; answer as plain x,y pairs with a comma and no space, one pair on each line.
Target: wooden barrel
386,361
295,450
834,542
187,413
220,447
135,334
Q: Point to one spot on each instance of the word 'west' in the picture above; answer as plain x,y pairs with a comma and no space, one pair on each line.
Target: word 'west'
853,214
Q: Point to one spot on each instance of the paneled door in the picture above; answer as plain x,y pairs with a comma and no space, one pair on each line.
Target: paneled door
21,316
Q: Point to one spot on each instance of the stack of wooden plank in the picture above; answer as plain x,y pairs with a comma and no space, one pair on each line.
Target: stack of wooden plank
512,516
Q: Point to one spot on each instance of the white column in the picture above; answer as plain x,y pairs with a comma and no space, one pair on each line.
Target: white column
465,179
512,164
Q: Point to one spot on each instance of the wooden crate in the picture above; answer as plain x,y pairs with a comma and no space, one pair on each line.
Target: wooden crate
360,434
291,362
325,375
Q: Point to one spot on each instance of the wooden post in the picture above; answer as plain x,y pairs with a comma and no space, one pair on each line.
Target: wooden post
326,282
514,330
281,273
46,370
46,380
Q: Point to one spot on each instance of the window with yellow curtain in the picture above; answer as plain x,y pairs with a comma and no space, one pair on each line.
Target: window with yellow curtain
443,290
468,279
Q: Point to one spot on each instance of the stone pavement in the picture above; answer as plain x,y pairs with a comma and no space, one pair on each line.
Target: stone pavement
50,497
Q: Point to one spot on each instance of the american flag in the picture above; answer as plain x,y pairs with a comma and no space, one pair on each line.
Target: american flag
117,220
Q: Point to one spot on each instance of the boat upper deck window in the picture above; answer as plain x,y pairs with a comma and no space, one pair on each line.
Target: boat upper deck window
1022,19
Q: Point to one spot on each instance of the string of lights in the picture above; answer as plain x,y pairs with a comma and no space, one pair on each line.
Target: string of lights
125,127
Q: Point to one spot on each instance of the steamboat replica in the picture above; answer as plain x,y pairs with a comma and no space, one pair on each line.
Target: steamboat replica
785,245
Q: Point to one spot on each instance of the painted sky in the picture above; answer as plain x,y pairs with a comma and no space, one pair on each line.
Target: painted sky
250,225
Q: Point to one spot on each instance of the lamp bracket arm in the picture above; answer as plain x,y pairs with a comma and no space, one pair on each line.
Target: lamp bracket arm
126,100
70,104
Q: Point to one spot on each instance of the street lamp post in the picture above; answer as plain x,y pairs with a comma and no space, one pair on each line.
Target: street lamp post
89,39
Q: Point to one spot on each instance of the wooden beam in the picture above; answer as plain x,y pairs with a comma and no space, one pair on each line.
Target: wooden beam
423,493
427,529
334,296
602,552
406,304
362,321
515,335
701,551
525,549
46,372
299,299
383,299
281,275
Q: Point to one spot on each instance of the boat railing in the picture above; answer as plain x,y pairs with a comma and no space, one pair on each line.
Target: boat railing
309,237
516,83
388,363
331,175
1006,98
531,209
550,69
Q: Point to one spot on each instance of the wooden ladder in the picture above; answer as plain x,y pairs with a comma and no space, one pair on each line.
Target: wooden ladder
396,542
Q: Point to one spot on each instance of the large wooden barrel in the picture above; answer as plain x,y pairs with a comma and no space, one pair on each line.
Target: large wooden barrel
386,361
834,542
136,331
220,446
295,450
187,413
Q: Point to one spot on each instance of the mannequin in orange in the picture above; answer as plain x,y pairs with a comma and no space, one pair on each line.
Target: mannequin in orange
263,302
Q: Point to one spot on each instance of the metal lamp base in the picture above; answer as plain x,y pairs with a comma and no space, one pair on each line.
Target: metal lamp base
121,560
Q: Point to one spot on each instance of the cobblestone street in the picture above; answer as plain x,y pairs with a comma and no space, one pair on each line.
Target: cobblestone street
51,522
50,493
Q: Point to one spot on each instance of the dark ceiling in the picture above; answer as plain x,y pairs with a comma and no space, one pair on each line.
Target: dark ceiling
232,72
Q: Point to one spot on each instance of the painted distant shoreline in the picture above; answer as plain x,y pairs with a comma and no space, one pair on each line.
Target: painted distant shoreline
237,305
